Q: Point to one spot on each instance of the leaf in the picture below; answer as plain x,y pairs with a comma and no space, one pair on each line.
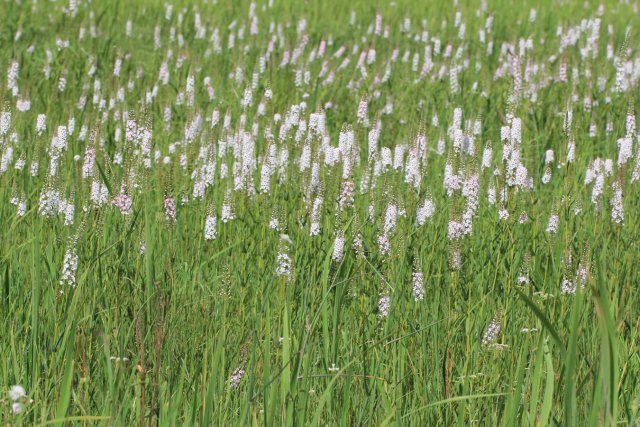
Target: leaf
325,396
547,401
455,399
513,403
65,390
545,321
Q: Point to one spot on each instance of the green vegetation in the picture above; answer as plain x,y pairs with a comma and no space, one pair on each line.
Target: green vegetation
319,213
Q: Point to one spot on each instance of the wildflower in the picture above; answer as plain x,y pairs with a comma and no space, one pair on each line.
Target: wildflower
123,202
316,213
17,392
338,247
549,157
227,210
390,218
99,192
283,261
552,227
412,173
568,287
582,274
384,304
491,334
617,209
362,112
274,222
22,207
546,178
571,151
358,245
451,180
417,289
486,156
236,377
455,258
210,227
625,146
23,105
68,210
347,193
12,77
456,230
69,266
523,218
7,158
491,195
89,162
503,214
425,211
383,244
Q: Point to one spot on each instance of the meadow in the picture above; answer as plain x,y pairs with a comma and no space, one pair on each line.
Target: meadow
280,212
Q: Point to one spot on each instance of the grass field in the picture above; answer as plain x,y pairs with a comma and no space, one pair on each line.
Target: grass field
319,213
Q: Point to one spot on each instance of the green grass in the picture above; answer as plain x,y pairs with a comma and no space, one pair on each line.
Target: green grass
153,337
